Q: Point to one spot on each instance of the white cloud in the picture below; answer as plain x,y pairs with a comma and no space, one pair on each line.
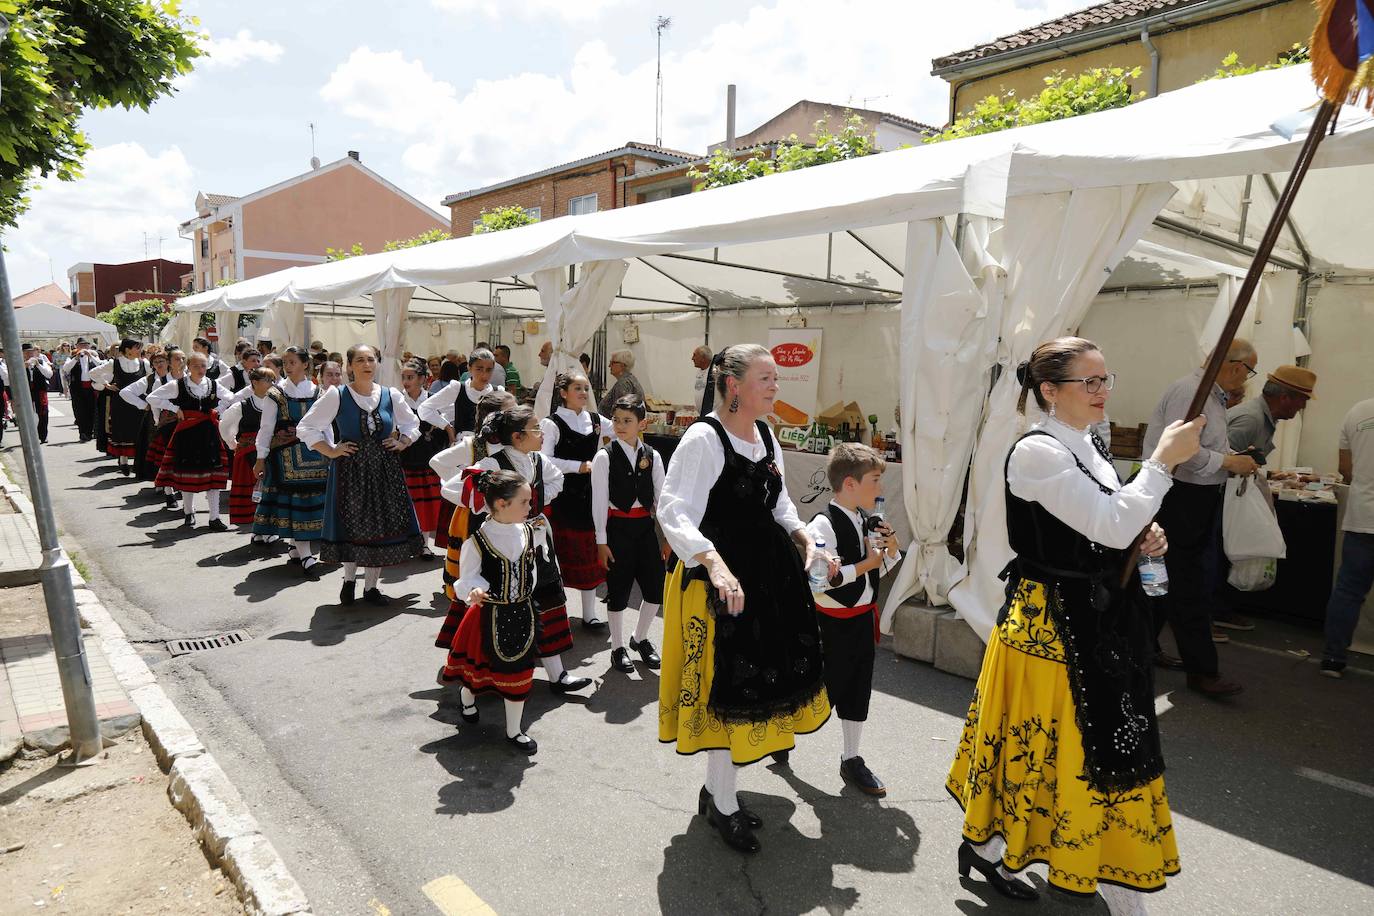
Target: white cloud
840,52
570,10
102,217
238,50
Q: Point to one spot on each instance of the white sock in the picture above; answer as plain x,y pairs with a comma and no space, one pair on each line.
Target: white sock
720,781
467,697
370,576
647,613
851,731
168,491
1122,901
617,619
553,665
992,851
350,571
515,711
589,604
212,498
188,503
303,548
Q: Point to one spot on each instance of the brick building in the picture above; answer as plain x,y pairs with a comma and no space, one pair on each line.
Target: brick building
94,287
47,294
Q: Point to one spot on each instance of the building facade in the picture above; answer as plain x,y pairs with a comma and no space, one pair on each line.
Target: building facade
95,288
1175,43
292,223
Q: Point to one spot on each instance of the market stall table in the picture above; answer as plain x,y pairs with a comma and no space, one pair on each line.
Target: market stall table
1302,584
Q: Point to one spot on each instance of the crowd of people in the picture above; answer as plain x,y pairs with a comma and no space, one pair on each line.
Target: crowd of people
765,633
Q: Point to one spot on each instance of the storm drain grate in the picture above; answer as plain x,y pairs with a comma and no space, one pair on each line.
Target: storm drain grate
205,643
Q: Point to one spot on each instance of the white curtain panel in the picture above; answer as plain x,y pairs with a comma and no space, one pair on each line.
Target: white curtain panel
181,329
946,350
285,324
227,325
573,315
391,307
1057,250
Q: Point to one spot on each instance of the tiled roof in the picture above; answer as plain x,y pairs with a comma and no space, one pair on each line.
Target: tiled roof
909,123
648,148
1102,14
662,150
49,294
219,200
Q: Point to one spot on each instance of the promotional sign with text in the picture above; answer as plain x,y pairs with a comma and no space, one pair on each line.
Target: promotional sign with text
797,351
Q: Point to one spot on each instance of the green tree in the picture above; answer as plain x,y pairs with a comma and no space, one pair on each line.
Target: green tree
726,167
499,218
61,57
424,238
140,318
1231,65
1064,96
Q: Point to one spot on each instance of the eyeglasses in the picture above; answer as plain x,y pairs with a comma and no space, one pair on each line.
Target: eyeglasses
1250,371
1093,383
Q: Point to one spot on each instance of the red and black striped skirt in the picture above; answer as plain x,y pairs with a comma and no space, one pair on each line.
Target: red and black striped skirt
242,480
196,461
425,492
577,560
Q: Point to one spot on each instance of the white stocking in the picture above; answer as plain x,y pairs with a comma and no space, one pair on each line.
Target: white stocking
515,710
212,499
647,613
1122,901
992,851
370,576
188,503
617,619
350,571
467,697
720,781
589,604
553,665
851,731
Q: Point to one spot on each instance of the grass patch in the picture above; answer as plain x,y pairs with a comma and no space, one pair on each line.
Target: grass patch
80,566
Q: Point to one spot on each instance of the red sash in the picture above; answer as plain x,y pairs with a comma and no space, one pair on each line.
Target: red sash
636,512
847,613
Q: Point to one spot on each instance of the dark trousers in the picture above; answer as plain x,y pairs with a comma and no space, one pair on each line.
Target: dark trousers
83,409
634,545
847,647
1353,581
1187,516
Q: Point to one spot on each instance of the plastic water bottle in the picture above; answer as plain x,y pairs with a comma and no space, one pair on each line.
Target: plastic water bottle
818,573
878,505
257,492
1154,576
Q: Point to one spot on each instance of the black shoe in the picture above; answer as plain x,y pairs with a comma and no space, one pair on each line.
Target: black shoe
470,713
375,596
620,660
189,522
704,805
125,470
524,743
171,503
1213,685
1007,887
1332,669
217,524
781,757
593,624
734,828
567,683
857,774
646,653
310,571
348,591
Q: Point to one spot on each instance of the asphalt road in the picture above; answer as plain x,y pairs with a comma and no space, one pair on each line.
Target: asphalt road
329,722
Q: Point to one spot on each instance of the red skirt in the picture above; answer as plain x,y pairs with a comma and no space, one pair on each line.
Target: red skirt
577,560
555,635
472,660
442,533
242,480
199,479
157,446
424,486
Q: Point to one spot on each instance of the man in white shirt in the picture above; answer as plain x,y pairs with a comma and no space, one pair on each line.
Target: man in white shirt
78,370
1356,575
701,359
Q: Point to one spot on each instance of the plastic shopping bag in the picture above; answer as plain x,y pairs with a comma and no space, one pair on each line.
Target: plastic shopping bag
1253,574
1251,535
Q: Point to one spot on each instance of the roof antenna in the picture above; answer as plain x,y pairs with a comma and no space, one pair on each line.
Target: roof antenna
661,25
314,160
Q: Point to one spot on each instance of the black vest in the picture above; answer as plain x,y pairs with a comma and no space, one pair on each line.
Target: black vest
37,384
250,421
185,400
123,379
536,485
851,550
573,506
628,481
240,377
510,581
464,411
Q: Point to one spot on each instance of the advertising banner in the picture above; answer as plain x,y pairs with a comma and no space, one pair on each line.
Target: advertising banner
797,351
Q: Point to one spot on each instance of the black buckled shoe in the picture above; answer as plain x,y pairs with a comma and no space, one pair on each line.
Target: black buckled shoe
189,522
348,591
646,653
374,596
1007,887
170,503
620,660
310,569
523,743
217,524
857,774
566,683
470,714
734,829
704,805
782,758
593,624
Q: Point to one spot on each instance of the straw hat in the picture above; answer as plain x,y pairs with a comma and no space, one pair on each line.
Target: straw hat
1303,381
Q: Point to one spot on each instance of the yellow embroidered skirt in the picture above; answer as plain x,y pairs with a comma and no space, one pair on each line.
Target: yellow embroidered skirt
685,684
1018,771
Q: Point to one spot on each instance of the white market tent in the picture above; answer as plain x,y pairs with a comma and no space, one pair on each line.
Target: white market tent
985,246
49,322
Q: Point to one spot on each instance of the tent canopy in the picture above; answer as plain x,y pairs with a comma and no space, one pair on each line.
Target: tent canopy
43,321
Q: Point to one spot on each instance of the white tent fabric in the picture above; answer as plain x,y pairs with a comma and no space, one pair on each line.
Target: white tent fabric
43,321
573,316
392,306
181,330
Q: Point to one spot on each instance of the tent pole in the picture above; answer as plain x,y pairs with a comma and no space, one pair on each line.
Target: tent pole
74,672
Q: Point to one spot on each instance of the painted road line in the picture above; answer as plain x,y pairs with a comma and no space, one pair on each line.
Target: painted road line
454,898
381,909
1339,782
1284,653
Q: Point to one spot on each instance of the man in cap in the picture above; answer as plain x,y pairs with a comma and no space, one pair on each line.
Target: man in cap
1250,427
38,373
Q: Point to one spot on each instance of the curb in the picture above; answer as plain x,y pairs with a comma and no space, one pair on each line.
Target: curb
197,786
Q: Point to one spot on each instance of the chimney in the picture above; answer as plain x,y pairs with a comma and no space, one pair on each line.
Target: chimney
353,154
730,116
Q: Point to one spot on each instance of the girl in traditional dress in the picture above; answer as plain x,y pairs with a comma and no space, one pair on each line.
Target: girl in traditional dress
242,429
104,391
133,394
448,465
195,460
741,673
515,437
161,423
495,647
454,407
293,475
122,420
422,482
368,517
572,437
1059,760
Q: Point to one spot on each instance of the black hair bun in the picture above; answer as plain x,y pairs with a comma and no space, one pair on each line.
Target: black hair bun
1023,373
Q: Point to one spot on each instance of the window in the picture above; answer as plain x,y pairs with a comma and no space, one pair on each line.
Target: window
665,193
580,205
224,271
204,246
535,213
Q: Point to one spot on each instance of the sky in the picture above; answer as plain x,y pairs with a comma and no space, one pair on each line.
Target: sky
441,96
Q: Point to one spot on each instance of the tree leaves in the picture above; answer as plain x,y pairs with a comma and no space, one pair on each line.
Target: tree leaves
724,167
1064,96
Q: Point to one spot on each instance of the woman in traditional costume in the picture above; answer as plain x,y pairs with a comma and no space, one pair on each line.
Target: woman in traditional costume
195,460
422,483
122,421
369,520
1059,761
242,429
135,395
741,675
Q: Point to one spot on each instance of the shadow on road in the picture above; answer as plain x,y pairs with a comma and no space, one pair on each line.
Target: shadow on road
331,624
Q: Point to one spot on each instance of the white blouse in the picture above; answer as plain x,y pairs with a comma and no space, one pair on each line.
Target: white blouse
102,373
696,466
317,424
449,463
508,540
580,423
80,365
162,397
601,484
524,466
230,419
414,403
1042,470
304,389
822,527
136,392
437,409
